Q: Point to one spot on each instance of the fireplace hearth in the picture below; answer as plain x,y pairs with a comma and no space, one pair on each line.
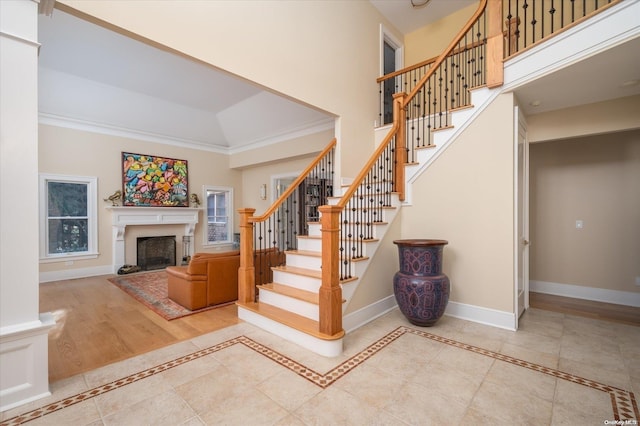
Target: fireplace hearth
156,252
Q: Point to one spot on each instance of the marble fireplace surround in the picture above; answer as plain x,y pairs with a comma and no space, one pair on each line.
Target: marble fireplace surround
121,217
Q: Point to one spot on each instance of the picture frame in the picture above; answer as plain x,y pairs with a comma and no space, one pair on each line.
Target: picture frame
154,181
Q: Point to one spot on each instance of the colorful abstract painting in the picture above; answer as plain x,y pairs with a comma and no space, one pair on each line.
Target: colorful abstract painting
151,181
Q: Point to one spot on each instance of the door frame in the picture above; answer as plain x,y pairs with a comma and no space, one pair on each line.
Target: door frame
387,37
521,215
274,183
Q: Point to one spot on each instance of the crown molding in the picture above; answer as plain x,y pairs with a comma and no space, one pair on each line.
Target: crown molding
108,129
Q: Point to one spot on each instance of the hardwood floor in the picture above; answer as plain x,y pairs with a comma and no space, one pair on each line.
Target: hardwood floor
98,324
586,308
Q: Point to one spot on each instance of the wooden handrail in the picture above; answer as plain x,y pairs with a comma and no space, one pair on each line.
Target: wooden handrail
446,52
295,183
427,62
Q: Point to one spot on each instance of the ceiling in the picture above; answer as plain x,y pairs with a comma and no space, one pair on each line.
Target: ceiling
611,74
91,77
407,18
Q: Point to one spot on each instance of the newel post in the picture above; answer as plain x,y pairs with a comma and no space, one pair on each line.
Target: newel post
400,116
330,293
246,272
495,44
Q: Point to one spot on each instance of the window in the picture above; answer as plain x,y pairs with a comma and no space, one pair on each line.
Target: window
219,215
68,216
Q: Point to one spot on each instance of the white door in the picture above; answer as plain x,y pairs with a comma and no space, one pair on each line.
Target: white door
522,221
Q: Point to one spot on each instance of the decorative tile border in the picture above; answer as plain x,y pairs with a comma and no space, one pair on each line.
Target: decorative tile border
623,402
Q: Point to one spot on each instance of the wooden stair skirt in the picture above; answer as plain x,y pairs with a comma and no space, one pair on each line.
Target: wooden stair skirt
295,328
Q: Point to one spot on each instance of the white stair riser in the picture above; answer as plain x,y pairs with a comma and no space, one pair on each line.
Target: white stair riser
314,230
310,244
290,304
297,281
372,214
328,348
379,229
302,261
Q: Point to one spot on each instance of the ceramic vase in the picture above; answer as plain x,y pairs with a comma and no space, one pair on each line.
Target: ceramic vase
420,287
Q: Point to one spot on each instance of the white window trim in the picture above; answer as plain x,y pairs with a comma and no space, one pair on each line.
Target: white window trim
92,214
230,213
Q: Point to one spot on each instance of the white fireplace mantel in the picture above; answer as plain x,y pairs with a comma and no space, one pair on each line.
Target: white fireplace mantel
121,217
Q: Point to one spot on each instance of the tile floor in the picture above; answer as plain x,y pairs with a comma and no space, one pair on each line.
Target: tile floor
557,369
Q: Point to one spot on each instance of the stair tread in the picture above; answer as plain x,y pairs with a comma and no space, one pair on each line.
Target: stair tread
296,293
438,129
425,147
304,253
375,194
299,271
295,321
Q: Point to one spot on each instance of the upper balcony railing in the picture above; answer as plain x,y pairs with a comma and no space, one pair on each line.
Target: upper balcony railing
529,21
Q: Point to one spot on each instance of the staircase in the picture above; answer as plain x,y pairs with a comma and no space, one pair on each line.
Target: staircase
288,306
306,296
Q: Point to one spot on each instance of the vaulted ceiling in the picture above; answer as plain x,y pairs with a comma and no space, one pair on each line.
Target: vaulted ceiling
96,79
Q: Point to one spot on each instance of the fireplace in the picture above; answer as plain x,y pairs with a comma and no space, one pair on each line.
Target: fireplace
122,218
156,252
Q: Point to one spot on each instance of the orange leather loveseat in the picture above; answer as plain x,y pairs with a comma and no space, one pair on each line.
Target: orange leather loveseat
209,279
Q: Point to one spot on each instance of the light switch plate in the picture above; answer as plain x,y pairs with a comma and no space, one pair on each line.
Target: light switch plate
579,224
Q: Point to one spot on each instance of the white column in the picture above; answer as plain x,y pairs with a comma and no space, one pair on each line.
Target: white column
23,331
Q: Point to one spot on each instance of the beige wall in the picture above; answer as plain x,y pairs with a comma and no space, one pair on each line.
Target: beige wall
429,41
595,179
300,147
323,53
81,153
466,197
254,177
592,119
74,152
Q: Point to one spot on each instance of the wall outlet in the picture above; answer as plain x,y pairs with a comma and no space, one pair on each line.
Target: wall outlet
68,263
579,224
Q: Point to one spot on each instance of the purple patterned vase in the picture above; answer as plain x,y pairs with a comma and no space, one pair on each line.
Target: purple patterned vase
420,287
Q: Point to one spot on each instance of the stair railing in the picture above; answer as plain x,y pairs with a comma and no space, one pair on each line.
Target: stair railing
406,79
265,238
527,22
530,21
348,225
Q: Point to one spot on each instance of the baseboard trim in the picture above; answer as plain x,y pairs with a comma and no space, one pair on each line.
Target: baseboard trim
491,317
481,315
616,297
72,274
362,316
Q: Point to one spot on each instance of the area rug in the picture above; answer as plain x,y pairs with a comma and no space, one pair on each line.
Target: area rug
150,289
